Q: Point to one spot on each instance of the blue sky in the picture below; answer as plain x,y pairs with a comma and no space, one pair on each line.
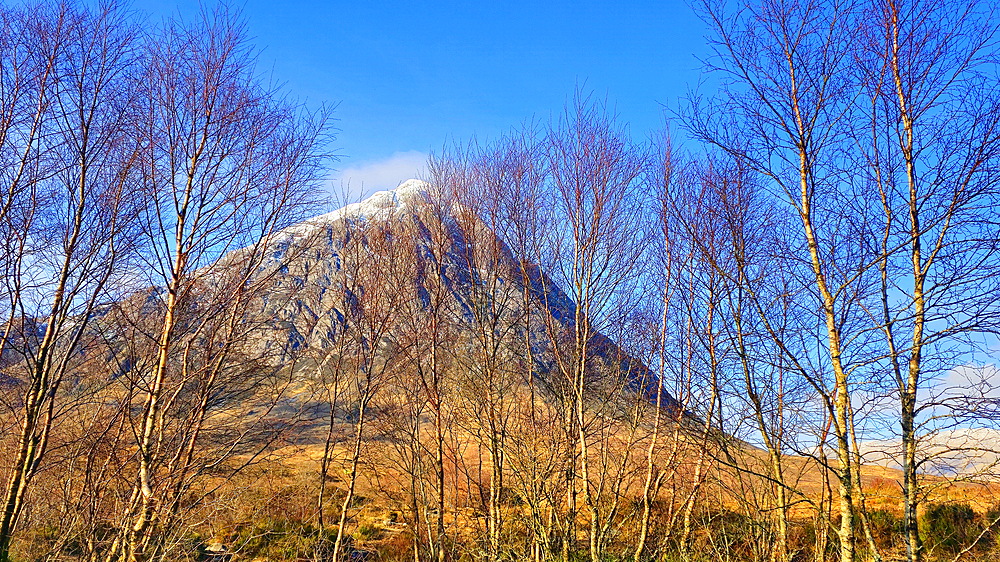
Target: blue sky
408,77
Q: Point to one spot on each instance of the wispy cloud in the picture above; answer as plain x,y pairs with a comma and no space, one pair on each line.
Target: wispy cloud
377,175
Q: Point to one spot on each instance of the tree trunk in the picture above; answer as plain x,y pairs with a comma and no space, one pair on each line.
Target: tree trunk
352,480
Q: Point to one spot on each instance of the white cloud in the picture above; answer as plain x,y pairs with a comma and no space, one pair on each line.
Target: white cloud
973,380
364,178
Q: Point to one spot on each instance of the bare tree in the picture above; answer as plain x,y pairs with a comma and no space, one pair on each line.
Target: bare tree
376,261
930,136
661,177
491,365
225,164
429,323
768,385
515,166
595,241
784,109
67,210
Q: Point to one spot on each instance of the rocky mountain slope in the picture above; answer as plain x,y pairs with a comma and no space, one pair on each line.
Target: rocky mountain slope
327,273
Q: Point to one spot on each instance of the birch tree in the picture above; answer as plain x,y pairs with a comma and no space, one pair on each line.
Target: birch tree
67,208
595,242
225,164
784,108
932,117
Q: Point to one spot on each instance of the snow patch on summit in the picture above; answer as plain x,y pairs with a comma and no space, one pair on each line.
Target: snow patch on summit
378,205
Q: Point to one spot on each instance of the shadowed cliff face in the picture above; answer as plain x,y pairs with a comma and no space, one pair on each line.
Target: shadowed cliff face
424,248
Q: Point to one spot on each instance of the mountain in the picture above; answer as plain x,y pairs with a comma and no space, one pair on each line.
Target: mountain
320,272
325,259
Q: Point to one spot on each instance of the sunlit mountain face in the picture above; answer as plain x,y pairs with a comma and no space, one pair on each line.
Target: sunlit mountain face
413,250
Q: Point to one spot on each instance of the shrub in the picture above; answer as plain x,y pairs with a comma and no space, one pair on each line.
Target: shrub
804,535
279,539
368,532
738,535
397,548
992,519
949,527
884,526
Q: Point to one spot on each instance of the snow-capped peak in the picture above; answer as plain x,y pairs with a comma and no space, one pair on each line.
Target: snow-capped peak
379,204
